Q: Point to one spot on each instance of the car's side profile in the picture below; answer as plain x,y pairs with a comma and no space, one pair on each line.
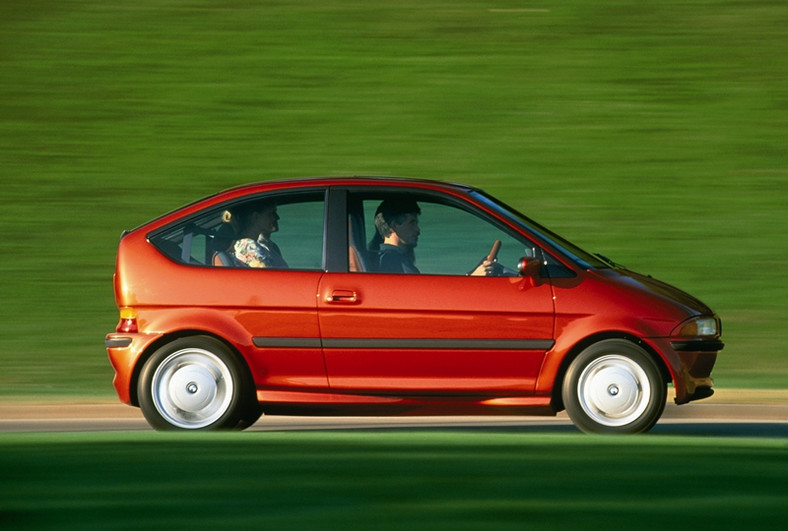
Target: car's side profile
493,313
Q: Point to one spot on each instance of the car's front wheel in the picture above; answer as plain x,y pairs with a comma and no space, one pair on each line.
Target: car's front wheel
196,383
614,386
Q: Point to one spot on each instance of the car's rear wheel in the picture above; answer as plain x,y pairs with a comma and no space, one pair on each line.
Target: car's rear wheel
614,386
196,383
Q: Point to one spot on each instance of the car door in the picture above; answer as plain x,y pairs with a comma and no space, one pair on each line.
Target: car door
439,331
270,312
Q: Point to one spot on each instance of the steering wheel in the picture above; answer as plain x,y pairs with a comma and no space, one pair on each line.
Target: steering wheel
493,254
497,269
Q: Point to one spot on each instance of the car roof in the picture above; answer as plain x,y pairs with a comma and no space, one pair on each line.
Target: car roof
357,180
303,182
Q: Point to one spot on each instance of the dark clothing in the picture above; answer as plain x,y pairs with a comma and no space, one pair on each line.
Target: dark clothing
393,259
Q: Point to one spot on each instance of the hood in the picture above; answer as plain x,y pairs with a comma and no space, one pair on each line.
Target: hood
645,283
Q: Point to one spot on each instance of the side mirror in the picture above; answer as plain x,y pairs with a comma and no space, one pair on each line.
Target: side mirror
528,267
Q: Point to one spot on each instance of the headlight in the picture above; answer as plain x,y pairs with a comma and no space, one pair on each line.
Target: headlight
698,327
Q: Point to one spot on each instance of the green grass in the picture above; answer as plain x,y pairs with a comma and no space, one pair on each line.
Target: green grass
425,480
651,132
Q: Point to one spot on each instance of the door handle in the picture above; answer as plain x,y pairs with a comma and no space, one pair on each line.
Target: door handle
343,296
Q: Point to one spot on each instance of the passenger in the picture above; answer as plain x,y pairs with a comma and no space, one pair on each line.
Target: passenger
397,223
254,247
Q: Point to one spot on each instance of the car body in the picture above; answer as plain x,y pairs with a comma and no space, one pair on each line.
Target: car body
205,343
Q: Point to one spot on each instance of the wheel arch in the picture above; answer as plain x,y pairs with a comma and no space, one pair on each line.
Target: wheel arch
556,400
174,336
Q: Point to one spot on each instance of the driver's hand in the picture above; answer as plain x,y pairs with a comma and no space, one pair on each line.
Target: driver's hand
485,269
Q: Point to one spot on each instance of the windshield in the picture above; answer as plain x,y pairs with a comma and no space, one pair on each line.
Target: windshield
571,251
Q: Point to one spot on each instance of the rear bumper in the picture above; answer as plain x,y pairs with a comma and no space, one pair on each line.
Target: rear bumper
124,351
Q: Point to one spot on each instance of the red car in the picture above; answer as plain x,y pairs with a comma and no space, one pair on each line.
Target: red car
380,296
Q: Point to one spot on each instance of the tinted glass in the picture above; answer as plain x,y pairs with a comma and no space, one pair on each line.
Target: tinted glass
452,240
571,251
210,238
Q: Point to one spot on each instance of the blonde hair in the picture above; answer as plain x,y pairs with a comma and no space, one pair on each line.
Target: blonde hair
231,220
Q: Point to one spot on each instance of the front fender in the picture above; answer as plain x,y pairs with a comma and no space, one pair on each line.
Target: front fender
575,333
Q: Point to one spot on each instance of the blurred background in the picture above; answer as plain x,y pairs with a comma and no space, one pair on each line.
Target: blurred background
653,133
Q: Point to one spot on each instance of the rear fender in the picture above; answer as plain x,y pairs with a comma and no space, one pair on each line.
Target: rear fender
202,322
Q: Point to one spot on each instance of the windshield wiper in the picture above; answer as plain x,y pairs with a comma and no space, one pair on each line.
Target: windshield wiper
609,262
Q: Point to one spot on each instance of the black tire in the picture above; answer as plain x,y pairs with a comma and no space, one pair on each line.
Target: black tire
197,383
614,386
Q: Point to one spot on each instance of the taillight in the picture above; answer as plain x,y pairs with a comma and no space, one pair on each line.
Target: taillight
128,321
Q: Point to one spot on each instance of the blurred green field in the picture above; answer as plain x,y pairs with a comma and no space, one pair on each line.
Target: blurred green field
408,480
652,132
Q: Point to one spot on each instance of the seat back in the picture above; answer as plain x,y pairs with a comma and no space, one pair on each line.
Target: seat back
359,258
222,259
355,264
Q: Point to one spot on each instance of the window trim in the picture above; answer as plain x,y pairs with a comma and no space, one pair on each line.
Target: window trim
461,202
184,222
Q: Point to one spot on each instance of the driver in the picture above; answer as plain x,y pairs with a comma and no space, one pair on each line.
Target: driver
397,224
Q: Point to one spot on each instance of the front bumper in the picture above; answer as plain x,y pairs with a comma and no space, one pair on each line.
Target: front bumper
692,363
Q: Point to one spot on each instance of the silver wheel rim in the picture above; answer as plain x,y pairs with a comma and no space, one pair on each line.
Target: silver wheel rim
192,388
614,390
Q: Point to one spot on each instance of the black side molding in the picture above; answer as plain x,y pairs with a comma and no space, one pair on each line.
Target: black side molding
117,342
697,346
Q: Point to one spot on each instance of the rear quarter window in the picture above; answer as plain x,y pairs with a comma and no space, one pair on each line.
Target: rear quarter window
205,238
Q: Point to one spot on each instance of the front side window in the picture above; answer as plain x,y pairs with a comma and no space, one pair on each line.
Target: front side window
577,255
424,234
272,231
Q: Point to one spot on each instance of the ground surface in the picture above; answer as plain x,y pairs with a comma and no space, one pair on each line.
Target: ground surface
737,412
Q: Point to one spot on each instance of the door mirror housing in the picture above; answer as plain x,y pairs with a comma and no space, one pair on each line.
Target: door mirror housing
529,267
